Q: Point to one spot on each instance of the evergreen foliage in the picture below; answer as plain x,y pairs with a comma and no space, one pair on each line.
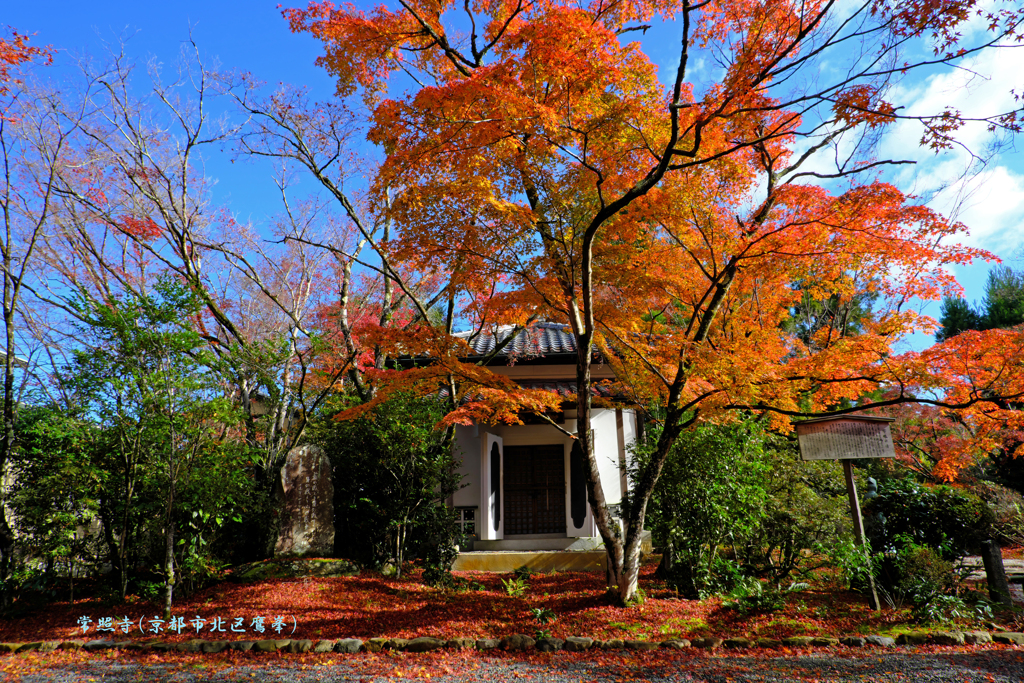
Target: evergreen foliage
1003,306
736,487
145,446
393,473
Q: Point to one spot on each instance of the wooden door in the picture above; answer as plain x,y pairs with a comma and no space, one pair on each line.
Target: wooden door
534,490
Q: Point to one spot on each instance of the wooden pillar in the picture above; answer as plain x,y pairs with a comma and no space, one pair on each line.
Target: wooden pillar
998,586
858,530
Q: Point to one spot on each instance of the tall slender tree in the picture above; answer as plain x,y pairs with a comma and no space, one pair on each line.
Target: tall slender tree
33,141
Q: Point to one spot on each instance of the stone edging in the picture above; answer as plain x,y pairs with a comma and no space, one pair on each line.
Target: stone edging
519,642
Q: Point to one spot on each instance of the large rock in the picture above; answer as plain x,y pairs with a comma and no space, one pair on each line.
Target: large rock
676,644
305,496
977,637
214,646
518,642
549,644
738,642
948,638
375,644
324,646
913,638
707,643
460,643
798,641
292,569
300,646
576,644
880,641
423,644
349,646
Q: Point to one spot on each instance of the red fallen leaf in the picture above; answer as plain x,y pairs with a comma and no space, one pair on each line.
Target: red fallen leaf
370,605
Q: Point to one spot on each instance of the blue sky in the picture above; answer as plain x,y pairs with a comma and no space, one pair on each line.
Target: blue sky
252,36
248,35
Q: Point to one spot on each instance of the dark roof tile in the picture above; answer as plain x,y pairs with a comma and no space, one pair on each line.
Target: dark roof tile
539,339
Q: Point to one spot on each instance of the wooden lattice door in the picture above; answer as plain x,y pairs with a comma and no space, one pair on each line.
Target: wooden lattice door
534,490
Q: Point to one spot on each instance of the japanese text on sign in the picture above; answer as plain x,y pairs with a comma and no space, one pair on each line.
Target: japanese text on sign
844,439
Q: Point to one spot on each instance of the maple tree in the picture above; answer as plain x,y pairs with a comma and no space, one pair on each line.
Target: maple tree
531,153
132,206
14,52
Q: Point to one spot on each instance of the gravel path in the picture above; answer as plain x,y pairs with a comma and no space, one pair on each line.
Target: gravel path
990,666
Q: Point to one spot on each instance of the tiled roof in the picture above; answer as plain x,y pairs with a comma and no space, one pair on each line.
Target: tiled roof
565,389
540,339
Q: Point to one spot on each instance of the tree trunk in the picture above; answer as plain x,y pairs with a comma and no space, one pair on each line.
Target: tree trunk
169,554
6,555
608,527
113,547
624,549
664,570
7,446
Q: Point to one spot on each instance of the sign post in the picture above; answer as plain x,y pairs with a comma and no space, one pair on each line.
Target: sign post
847,438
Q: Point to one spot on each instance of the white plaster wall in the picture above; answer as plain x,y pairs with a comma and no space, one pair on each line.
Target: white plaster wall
467,447
606,450
628,438
530,435
469,441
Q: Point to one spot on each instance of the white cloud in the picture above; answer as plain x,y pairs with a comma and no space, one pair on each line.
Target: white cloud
991,205
989,198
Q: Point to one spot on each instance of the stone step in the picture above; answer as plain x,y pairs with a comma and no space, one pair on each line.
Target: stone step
532,544
534,560
1014,569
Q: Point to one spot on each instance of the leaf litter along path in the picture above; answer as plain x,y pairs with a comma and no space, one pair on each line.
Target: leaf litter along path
370,605
922,665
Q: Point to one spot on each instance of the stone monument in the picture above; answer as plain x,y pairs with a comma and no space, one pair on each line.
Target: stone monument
305,498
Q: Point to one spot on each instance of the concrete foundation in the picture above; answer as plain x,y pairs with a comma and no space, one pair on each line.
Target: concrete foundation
540,555
535,561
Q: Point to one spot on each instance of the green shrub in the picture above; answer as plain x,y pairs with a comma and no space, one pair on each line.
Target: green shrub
1007,511
711,490
914,574
543,615
854,562
944,609
752,596
952,521
806,506
515,587
736,486
523,572
440,546
393,472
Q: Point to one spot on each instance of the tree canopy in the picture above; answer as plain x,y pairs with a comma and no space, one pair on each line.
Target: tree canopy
532,154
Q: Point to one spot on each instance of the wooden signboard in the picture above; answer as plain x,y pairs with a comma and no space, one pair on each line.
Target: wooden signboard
846,438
